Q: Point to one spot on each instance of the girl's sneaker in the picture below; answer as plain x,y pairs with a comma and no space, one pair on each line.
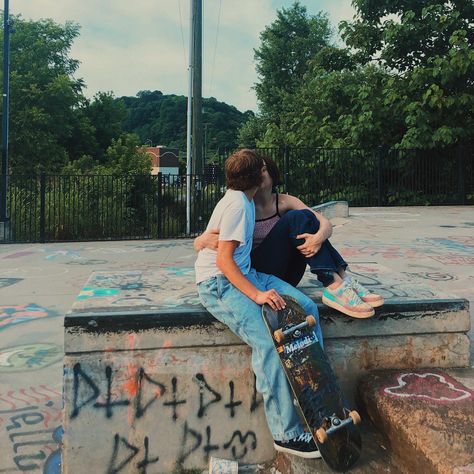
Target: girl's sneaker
373,299
346,300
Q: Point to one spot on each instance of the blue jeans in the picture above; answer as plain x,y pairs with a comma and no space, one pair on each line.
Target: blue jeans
291,264
244,318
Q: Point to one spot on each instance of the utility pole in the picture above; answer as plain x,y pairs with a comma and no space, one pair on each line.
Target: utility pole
5,121
189,140
198,164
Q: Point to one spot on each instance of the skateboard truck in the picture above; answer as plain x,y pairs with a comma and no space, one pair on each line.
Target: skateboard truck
280,335
336,424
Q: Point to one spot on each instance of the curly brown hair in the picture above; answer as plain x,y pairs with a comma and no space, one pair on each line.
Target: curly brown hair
243,170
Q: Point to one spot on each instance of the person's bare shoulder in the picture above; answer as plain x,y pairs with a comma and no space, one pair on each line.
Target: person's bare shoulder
287,202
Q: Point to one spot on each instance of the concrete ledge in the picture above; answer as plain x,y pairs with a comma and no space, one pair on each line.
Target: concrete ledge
145,365
333,209
427,417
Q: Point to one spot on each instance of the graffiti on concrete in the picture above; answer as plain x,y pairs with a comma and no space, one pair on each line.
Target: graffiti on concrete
29,357
433,276
167,287
162,397
454,259
433,386
89,261
23,313
53,463
28,421
24,253
380,280
4,282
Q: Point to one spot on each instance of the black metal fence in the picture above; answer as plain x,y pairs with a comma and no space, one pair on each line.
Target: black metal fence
74,208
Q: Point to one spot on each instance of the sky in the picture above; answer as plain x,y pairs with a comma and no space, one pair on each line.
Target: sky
127,46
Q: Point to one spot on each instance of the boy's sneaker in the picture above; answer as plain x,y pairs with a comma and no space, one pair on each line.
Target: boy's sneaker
373,299
302,446
347,301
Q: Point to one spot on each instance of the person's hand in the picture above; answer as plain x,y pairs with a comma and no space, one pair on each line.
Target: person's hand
311,245
210,239
272,298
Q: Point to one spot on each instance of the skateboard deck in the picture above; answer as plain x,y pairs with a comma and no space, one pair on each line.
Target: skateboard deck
318,396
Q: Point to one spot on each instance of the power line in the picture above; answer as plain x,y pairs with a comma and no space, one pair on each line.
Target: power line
182,34
215,47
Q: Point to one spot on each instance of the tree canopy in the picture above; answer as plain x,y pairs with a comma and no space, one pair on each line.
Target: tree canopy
404,78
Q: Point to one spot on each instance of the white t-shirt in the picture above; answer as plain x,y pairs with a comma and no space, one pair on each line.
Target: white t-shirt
234,216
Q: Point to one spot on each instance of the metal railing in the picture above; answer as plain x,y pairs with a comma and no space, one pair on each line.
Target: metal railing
59,208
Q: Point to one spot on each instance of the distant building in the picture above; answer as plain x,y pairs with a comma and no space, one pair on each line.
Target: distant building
164,160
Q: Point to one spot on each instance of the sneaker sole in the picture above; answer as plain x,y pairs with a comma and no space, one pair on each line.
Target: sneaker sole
375,304
346,311
301,454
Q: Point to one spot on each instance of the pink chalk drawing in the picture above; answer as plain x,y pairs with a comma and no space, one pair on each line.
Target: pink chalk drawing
431,386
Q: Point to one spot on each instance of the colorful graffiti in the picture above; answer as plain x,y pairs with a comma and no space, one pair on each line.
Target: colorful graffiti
29,357
28,423
4,282
23,313
167,286
433,386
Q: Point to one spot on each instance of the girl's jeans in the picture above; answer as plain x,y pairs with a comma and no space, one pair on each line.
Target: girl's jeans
243,316
278,255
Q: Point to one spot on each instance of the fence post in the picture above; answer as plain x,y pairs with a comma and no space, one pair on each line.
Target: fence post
286,168
42,206
159,202
380,191
462,174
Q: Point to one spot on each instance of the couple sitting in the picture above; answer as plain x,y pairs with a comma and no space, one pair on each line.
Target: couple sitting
288,235
234,279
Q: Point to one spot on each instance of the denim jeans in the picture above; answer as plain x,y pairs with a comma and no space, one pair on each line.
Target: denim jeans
244,318
278,255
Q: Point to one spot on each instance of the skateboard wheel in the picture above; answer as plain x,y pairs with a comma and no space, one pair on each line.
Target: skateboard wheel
279,336
311,320
321,435
355,417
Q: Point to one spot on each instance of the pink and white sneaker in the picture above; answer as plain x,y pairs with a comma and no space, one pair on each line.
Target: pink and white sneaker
373,299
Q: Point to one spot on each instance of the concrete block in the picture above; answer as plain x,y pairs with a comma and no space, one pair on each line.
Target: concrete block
152,378
169,409
333,209
427,417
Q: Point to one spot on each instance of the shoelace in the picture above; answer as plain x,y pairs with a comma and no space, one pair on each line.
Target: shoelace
358,287
305,437
351,295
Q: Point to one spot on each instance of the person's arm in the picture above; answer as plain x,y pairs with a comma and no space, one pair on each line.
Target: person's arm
207,240
226,264
313,242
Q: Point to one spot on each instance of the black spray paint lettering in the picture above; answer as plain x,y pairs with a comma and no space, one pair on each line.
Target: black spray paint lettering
175,402
239,444
231,405
124,452
203,385
24,439
141,409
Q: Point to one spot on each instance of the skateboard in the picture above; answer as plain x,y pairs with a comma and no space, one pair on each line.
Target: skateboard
318,396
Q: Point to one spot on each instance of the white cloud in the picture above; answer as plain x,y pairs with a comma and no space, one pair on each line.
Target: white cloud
129,46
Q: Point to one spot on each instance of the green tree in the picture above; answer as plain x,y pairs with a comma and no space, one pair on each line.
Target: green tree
44,95
427,47
125,155
161,119
106,114
286,48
